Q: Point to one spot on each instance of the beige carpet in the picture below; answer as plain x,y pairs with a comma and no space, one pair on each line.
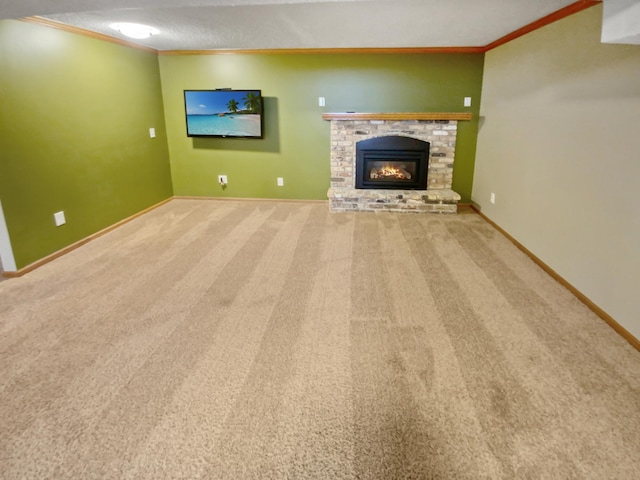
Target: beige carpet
268,340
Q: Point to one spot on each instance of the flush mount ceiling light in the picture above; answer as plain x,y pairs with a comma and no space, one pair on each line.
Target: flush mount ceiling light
135,30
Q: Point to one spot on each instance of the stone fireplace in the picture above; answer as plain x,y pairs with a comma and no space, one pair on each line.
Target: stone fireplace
429,193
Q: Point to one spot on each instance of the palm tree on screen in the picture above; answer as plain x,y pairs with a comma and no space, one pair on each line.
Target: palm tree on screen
252,102
232,105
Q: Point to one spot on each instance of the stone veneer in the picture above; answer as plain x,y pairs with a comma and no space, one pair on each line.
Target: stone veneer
438,198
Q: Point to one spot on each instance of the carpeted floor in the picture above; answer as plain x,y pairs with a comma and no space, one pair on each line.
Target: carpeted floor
271,340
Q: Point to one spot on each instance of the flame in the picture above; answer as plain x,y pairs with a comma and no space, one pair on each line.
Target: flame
390,171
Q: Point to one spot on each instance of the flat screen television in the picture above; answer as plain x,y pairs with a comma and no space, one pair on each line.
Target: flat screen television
224,113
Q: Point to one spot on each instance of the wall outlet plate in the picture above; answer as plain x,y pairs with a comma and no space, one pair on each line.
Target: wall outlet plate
58,217
222,179
280,181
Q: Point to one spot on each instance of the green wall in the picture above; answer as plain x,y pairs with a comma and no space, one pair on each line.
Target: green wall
296,144
75,113
74,120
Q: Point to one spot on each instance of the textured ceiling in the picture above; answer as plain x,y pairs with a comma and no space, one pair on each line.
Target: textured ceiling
284,24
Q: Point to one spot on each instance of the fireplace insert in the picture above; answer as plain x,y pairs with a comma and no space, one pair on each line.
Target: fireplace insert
392,162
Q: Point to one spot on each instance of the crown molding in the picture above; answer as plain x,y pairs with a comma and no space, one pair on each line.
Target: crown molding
544,21
86,33
551,18
325,51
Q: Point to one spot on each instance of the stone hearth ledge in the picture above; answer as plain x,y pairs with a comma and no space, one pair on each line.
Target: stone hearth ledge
346,199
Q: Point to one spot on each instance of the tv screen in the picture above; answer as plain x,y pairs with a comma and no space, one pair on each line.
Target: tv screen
224,113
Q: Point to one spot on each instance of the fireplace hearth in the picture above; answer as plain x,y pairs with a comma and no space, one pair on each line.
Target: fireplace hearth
392,162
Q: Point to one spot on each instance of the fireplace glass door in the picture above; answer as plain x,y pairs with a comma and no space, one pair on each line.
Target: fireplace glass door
392,163
380,170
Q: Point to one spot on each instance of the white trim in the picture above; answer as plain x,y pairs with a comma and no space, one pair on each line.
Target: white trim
6,252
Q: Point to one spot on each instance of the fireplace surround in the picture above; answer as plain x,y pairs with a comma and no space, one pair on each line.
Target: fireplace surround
439,130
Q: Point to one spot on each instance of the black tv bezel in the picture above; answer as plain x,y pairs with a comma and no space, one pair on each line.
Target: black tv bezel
221,90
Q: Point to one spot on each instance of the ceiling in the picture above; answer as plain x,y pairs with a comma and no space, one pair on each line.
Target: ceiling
289,24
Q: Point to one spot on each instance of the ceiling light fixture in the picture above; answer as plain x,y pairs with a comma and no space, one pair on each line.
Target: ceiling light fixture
135,30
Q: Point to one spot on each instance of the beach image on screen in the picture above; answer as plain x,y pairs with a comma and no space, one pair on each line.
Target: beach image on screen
233,113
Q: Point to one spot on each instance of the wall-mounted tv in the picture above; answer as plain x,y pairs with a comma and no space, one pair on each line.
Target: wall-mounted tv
224,113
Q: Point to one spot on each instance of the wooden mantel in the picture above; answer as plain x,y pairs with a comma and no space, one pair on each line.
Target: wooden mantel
398,116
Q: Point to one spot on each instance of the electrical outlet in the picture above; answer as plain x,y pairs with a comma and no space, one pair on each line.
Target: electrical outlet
59,219
467,101
280,181
492,198
152,132
222,179
321,101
